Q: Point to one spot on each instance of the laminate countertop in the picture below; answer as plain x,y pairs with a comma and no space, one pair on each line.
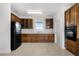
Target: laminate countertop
31,31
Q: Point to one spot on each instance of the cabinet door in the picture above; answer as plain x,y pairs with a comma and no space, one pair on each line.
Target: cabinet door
78,46
78,43
73,15
30,23
23,38
49,23
27,23
67,18
71,46
49,38
77,19
22,23
46,37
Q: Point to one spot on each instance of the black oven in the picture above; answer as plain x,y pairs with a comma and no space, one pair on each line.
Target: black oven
71,32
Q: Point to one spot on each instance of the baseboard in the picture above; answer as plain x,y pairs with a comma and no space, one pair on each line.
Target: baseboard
5,52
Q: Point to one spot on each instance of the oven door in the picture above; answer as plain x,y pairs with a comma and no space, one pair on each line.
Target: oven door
71,35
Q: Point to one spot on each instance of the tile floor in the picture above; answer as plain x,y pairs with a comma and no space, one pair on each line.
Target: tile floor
39,49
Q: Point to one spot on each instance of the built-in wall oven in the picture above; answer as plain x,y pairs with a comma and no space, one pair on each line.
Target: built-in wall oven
71,32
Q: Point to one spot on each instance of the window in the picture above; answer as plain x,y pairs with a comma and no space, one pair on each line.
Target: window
39,25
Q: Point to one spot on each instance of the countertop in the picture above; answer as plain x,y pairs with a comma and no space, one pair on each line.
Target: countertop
31,31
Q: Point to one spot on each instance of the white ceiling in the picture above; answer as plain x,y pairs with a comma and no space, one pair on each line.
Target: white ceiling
48,9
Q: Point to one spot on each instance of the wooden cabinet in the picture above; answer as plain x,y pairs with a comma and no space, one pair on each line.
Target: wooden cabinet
71,46
77,19
15,18
37,38
27,23
49,23
73,15
30,23
67,18
78,46
72,18
22,23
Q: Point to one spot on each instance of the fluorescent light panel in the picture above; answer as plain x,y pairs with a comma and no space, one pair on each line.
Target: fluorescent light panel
34,11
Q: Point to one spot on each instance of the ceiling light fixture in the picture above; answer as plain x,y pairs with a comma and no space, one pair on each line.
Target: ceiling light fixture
34,11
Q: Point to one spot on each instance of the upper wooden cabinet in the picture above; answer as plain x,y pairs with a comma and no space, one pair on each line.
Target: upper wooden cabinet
77,19
14,18
49,23
70,16
73,15
67,17
27,23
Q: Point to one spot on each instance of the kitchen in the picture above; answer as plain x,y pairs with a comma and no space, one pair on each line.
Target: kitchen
47,28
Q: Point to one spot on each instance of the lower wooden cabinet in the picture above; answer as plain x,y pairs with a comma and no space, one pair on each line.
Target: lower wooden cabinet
37,37
78,46
72,46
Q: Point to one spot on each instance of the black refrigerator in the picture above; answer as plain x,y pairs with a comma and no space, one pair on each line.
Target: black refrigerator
15,35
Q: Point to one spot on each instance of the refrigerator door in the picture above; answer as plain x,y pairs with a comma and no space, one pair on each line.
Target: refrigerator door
18,34
15,35
18,28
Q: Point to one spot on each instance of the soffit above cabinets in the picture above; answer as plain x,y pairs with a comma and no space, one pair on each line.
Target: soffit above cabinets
48,9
